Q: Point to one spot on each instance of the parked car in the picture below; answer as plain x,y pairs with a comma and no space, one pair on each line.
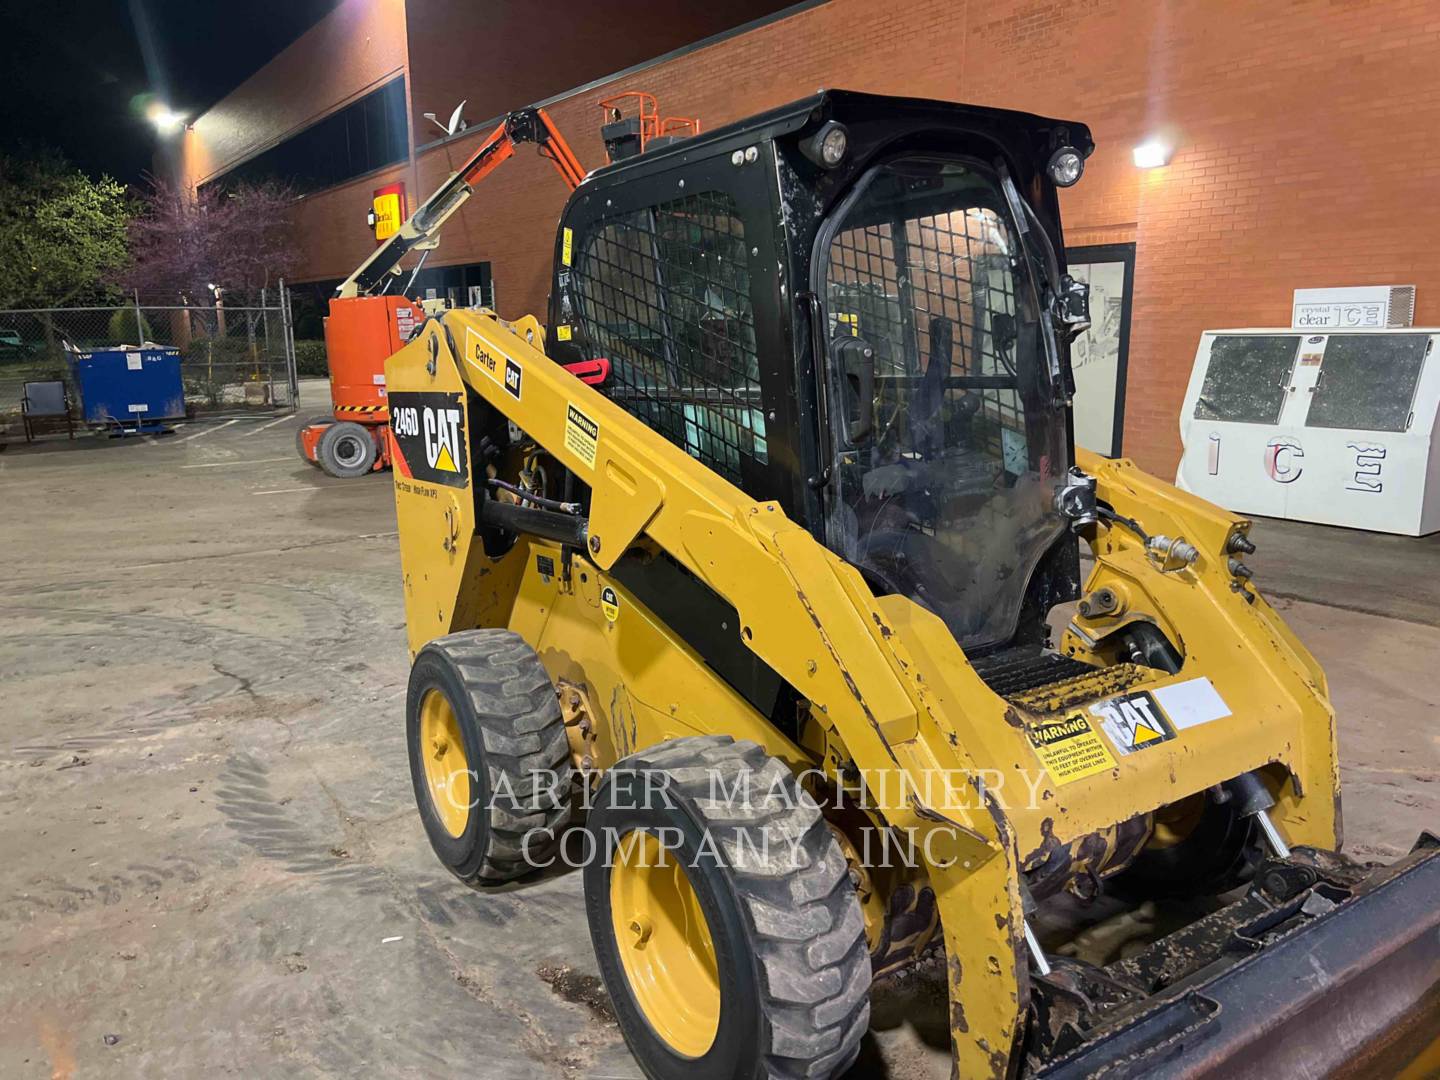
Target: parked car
13,346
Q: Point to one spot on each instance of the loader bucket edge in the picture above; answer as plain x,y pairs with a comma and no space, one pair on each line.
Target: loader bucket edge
1355,992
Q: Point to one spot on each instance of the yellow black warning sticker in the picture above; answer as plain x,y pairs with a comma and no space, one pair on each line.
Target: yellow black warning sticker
1070,749
582,435
562,332
1133,721
610,603
567,239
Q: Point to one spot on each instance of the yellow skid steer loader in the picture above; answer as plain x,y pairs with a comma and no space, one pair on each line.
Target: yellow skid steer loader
752,582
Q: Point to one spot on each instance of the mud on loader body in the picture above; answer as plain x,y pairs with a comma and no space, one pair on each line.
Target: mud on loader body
784,496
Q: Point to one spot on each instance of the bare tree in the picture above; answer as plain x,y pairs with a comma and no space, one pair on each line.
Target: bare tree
184,245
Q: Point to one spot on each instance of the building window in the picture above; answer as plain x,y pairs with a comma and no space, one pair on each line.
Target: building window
363,136
664,293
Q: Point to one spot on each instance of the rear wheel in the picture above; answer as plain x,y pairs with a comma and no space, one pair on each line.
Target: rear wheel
724,922
489,758
346,450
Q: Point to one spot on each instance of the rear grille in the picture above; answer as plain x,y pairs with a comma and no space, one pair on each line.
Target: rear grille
1045,683
1015,671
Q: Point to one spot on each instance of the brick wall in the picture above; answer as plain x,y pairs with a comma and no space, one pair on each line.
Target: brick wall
1304,149
354,49
511,54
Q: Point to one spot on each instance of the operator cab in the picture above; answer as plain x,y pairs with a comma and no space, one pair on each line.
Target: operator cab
855,306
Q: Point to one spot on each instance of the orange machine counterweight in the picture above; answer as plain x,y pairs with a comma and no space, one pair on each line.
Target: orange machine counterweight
360,333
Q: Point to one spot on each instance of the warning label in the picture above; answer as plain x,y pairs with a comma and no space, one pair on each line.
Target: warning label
610,603
1070,749
582,435
1133,721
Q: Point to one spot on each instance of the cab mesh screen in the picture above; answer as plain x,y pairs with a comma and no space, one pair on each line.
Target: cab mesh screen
938,286
664,294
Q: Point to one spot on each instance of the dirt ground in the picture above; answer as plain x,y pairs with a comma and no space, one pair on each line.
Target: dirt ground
210,855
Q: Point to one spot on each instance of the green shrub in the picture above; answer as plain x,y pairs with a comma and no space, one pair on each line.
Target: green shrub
126,329
310,359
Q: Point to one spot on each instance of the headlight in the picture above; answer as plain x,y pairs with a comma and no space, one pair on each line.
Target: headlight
1065,167
827,146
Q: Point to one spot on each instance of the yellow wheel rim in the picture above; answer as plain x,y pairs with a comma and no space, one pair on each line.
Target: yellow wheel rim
664,944
447,773
1177,821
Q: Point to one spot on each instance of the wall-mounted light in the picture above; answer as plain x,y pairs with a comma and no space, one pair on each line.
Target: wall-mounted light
166,121
1152,154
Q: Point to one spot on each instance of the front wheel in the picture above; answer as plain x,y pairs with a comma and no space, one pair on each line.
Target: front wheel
346,450
723,919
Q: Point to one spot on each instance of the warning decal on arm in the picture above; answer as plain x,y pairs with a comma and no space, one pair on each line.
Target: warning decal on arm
1070,749
582,435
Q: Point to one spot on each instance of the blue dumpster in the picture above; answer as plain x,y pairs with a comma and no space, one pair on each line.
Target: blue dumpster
130,386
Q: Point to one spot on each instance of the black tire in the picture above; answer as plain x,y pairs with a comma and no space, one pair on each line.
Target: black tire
300,436
517,752
1219,853
346,450
790,956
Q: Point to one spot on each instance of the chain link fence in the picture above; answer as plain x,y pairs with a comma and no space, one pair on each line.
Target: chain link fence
233,360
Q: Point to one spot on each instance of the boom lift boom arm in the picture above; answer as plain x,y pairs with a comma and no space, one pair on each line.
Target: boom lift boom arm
421,231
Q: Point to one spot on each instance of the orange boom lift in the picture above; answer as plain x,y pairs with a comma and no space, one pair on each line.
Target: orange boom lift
367,323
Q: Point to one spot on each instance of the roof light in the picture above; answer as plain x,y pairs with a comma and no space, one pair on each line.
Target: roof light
1066,166
827,146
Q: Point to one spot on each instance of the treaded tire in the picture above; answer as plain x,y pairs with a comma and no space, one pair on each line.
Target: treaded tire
515,742
1220,853
788,934
346,450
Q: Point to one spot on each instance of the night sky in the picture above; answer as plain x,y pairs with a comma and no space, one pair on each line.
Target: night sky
72,72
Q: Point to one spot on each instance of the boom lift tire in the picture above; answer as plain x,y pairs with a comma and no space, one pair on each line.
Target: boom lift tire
489,758
743,955
346,450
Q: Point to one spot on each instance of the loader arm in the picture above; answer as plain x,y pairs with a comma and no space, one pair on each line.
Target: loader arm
421,231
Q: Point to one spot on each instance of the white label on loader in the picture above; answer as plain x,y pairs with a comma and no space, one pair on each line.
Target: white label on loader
1191,703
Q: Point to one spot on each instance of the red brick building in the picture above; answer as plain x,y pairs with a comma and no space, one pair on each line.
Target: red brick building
1302,133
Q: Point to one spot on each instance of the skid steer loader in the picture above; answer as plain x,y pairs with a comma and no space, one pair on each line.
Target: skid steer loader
752,582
